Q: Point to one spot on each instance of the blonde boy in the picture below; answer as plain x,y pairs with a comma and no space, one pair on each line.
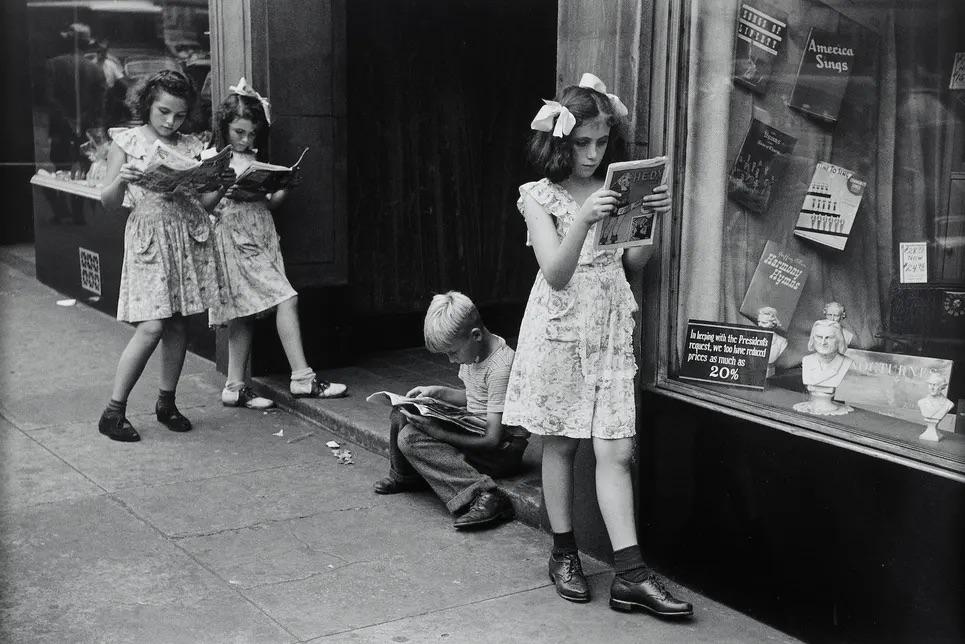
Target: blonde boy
456,464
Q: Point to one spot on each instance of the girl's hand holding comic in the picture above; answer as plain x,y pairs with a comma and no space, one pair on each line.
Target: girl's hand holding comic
129,173
659,200
598,205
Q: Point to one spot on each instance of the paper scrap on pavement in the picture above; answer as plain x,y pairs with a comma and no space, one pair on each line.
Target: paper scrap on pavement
344,456
67,302
332,444
280,432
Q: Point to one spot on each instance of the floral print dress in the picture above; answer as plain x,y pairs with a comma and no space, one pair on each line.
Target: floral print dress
574,367
169,267
253,277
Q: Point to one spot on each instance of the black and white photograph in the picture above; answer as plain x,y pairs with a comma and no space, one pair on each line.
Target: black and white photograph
495,322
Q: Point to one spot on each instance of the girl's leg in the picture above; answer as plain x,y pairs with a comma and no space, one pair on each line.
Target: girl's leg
634,585
290,333
130,366
235,393
557,473
174,345
564,564
614,489
134,358
303,381
240,331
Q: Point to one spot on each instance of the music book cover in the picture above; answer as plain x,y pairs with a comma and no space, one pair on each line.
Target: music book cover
759,165
830,206
778,281
761,32
822,77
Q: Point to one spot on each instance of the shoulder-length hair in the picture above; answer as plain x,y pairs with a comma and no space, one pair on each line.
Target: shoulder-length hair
552,156
143,93
236,106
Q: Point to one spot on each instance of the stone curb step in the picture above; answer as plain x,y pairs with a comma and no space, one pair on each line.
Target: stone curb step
524,490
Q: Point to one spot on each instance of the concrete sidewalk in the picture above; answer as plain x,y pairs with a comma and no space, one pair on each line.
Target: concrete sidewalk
248,529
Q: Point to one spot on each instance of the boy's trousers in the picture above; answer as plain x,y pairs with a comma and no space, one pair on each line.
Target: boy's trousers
455,475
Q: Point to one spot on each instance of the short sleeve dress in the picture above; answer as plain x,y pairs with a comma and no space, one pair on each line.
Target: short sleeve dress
169,267
246,243
574,367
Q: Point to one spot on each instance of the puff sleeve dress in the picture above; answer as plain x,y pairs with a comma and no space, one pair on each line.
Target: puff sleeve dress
247,247
169,266
574,367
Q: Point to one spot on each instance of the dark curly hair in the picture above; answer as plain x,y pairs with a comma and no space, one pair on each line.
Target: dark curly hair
552,156
235,106
143,93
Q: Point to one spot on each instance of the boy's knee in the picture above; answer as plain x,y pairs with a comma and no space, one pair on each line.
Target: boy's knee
409,439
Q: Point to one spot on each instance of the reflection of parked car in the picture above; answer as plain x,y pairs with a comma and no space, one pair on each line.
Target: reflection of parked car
141,66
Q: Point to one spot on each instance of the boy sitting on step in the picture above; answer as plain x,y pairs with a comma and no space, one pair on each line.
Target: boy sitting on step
456,464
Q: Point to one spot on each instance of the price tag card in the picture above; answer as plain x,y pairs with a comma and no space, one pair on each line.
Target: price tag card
726,354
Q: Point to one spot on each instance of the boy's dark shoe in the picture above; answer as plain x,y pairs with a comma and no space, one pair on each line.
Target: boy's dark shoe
650,595
117,428
567,573
170,417
389,485
488,508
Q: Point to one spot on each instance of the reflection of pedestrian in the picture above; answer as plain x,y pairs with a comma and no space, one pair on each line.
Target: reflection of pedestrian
75,94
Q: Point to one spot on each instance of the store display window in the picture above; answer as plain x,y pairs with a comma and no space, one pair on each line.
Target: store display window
817,264
84,55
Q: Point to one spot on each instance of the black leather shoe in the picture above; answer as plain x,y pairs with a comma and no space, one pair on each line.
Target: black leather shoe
389,485
117,428
489,507
567,573
171,418
650,595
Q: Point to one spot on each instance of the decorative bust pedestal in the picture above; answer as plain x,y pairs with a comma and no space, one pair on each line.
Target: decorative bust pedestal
931,432
820,403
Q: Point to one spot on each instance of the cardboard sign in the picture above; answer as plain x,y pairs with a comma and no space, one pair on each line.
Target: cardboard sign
726,354
913,262
891,384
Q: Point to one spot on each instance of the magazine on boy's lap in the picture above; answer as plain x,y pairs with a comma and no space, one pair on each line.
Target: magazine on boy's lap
432,408
168,170
262,178
633,222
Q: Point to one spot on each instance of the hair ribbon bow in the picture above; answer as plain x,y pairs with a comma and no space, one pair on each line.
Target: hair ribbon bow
244,89
565,121
593,82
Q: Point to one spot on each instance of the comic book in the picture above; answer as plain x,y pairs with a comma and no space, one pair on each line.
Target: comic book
168,170
263,178
432,408
633,223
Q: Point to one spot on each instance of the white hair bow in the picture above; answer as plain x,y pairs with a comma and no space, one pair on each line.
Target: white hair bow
591,81
565,121
244,89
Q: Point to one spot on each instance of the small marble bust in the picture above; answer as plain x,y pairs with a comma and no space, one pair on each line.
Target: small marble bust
835,312
767,319
823,369
934,406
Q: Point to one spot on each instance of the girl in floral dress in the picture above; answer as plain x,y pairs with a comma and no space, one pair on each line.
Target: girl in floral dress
168,268
574,368
253,279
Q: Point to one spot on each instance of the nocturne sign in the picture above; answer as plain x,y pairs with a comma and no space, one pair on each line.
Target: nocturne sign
726,354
